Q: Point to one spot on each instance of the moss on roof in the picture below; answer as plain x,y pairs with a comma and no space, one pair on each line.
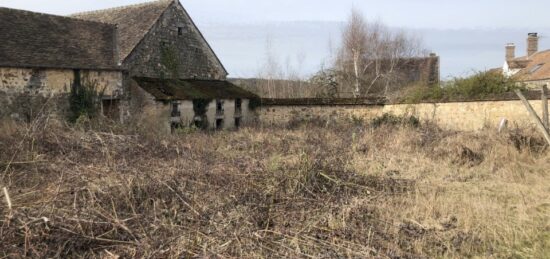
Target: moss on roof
189,89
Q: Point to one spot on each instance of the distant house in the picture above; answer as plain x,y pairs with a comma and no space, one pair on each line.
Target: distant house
154,50
532,69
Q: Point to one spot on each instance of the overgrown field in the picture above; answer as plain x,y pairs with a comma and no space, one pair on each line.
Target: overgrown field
385,190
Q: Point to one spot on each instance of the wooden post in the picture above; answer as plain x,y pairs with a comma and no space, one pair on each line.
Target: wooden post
544,98
534,116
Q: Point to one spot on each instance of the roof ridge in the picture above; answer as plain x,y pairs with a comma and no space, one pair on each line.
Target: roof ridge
116,8
57,16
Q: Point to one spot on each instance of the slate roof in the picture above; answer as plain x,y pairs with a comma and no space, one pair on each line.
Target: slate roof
185,89
133,22
29,39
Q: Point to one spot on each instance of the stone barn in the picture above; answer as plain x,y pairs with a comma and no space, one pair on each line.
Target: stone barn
152,54
43,56
169,64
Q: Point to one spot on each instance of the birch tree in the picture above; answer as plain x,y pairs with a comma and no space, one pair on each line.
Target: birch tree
371,54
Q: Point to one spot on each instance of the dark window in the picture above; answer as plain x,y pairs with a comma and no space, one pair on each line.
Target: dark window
237,123
180,31
111,109
219,124
238,104
219,107
175,109
77,77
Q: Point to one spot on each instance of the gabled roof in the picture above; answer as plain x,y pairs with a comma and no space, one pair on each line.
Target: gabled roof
133,22
180,89
533,68
29,39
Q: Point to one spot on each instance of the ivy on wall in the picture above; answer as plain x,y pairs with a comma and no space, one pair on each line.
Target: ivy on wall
200,107
84,99
170,61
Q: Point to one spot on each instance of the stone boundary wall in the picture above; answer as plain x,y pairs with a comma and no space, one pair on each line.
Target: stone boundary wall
458,115
469,116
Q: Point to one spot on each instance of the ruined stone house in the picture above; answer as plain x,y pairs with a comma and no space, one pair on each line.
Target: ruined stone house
152,56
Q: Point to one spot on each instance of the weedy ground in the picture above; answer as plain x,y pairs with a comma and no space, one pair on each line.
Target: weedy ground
310,190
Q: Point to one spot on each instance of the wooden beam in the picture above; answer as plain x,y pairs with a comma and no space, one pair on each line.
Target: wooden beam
534,115
544,98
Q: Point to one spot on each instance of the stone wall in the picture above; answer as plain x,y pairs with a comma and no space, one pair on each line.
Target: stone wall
470,116
174,48
47,82
462,116
275,115
25,92
146,113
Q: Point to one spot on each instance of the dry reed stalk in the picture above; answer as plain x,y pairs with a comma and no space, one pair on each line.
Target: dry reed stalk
8,200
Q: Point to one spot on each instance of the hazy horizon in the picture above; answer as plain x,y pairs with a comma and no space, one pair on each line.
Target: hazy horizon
299,31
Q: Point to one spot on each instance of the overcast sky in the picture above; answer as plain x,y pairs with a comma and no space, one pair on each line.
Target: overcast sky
405,13
468,34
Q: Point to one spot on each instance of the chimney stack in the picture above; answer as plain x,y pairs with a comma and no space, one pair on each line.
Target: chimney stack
510,51
532,43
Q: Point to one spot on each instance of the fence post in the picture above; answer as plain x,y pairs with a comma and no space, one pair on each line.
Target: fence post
535,117
544,98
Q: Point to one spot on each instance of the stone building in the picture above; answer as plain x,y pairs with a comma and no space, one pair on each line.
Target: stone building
42,56
213,104
154,47
533,69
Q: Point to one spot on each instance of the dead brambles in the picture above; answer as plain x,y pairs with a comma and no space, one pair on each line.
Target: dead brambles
340,191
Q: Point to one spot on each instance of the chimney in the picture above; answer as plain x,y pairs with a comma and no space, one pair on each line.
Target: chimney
510,51
532,43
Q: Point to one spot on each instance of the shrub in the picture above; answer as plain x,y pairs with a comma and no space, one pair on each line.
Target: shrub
84,100
479,85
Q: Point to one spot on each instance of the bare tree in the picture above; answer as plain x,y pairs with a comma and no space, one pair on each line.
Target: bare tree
371,55
280,81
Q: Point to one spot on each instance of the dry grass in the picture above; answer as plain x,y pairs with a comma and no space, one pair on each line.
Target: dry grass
313,191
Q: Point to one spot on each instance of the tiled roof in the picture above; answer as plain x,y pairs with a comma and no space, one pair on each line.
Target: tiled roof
178,89
518,63
537,66
133,22
29,39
